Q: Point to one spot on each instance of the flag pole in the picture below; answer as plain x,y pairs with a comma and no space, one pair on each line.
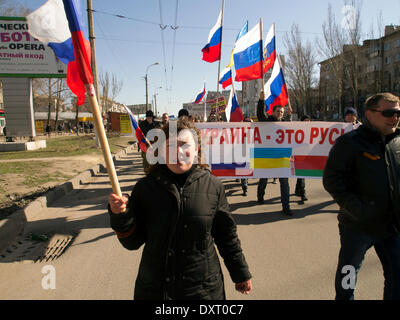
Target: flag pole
220,49
261,55
105,148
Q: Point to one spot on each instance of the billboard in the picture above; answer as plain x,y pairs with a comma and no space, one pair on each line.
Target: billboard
23,56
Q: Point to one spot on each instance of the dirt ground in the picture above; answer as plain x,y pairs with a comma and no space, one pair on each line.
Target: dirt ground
17,190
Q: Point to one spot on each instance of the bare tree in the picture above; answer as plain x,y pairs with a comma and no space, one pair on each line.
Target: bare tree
300,64
7,8
340,47
110,87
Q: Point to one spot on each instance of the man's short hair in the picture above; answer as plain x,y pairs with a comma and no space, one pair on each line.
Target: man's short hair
276,107
372,102
183,112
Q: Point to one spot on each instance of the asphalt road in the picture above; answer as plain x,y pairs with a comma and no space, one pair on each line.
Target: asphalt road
289,257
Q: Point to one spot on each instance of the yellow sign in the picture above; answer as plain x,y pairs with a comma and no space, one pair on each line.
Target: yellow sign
39,126
125,124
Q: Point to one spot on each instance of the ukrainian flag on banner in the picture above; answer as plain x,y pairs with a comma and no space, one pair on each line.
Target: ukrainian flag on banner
270,158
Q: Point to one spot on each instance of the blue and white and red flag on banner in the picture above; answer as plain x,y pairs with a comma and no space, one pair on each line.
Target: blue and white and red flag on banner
247,56
57,23
201,95
269,49
233,111
226,77
138,132
212,50
275,89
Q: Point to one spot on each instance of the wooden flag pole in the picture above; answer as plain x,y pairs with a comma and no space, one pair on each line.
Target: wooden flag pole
90,90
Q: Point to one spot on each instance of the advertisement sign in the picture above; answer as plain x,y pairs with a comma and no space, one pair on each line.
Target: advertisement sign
125,124
217,107
23,56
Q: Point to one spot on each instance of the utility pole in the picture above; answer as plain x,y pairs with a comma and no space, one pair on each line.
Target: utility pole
147,93
93,62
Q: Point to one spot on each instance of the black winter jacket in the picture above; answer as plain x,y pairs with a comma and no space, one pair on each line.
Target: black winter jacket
363,176
178,227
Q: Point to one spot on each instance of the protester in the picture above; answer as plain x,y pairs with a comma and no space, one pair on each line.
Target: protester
362,174
147,125
181,228
277,115
183,113
164,119
350,115
300,190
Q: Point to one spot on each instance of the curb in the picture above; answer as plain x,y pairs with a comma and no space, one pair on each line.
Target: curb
14,224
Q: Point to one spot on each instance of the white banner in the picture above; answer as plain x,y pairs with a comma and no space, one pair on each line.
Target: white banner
269,149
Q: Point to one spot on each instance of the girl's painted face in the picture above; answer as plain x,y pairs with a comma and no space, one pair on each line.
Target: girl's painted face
181,152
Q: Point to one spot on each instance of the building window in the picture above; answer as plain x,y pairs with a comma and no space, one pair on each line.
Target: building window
386,46
397,43
387,60
397,57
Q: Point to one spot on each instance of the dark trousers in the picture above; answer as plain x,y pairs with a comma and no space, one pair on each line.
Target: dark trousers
300,187
244,183
354,245
284,182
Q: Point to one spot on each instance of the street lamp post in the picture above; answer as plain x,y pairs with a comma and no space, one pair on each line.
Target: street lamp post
155,100
146,79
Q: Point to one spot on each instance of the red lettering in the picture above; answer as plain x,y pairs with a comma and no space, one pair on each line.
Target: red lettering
257,136
314,134
224,137
214,134
289,132
331,140
243,134
281,137
324,133
235,135
16,36
299,136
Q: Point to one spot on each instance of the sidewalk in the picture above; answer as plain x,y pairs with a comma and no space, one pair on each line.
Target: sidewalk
14,224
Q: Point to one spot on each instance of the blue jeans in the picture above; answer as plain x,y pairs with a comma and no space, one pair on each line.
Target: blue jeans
284,182
354,245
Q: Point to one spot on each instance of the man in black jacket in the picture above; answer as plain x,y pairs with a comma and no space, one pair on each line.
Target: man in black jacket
363,176
147,125
277,115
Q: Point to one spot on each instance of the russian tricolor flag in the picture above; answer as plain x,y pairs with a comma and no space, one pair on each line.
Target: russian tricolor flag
269,49
275,89
233,111
201,95
138,132
57,24
212,51
226,78
247,56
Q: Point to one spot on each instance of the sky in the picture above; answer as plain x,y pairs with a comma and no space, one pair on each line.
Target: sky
173,32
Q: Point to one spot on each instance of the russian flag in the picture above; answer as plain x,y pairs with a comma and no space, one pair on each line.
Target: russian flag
269,49
138,132
212,51
233,111
275,89
231,169
57,24
201,95
247,56
226,78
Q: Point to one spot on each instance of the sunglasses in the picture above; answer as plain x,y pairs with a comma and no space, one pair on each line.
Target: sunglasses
388,113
